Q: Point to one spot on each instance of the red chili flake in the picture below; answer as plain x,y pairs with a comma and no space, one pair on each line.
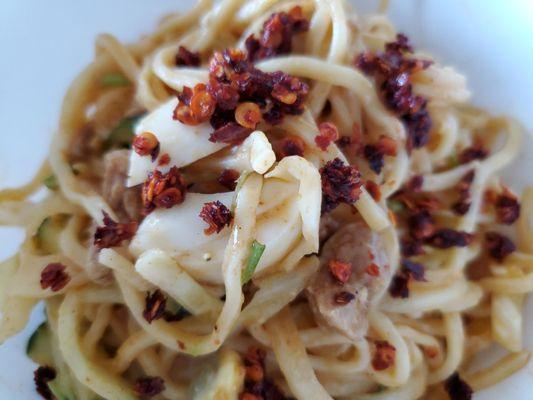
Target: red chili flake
248,114
195,105
415,184
231,133
164,160
343,298
374,158
462,206
431,351
187,58
228,178
421,225
457,388
291,146
112,233
352,144
149,386
475,152
163,190
374,189
507,207
54,276
399,286
372,270
155,304
344,141
146,144
340,184
232,79
41,377
387,146
340,271
427,203
409,271
217,216
328,134
256,385
384,355
498,245
413,270
444,238
276,36
411,247
393,71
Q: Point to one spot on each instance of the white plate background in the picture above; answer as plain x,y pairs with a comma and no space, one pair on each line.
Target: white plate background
44,44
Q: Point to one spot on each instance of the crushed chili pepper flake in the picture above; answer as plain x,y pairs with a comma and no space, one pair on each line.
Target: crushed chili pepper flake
231,133
216,215
413,270
374,189
328,134
457,388
340,271
291,146
462,206
343,298
507,207
411,247
228,178
374,157
234,79
41,377
341,183
387,146
444,238
475,152
415,184
164,160
112,234
187,58
384,355
163,190
248,114
277,34
421,225
399,286
149,386
394,70
54,277
256,385
409,271
146,144
431,351
155,304
195,105
372,270
499,246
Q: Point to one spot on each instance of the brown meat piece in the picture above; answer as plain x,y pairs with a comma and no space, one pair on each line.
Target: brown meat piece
354,243
126,202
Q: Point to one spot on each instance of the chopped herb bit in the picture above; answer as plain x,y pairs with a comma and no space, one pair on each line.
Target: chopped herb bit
51,182
256,252
395,206
114,79
454,160
122,135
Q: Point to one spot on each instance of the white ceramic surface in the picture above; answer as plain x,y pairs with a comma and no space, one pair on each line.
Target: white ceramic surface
44,44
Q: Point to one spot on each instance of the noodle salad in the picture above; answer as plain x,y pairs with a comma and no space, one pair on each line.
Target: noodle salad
270,199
